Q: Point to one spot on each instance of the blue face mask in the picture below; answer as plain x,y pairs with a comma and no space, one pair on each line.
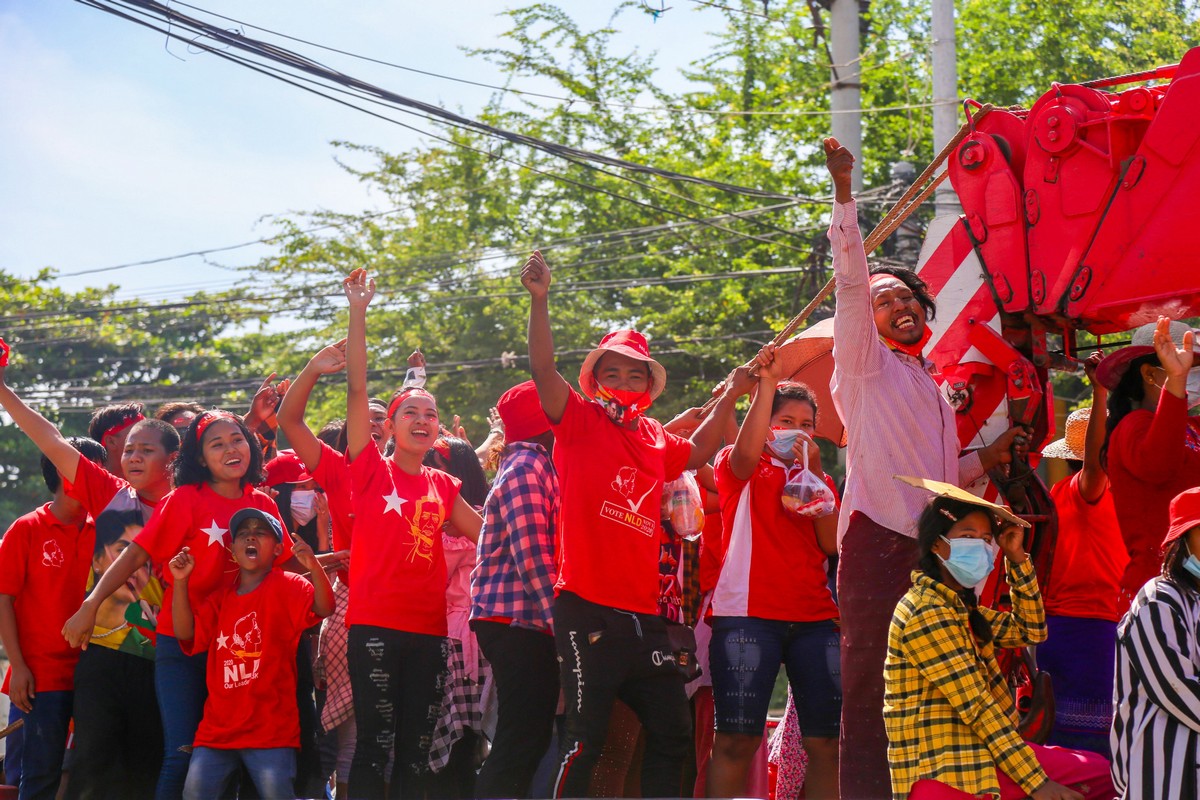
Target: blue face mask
971,560
1192,565
784,442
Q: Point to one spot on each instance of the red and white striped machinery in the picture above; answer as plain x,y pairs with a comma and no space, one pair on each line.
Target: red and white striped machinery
1076,216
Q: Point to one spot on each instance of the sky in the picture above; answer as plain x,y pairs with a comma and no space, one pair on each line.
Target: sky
119,146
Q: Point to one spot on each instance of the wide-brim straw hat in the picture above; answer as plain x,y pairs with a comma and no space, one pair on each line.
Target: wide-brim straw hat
957,493
1141,343
1072,445
627,343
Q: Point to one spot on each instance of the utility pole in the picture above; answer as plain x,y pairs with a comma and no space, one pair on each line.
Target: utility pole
846,97
945,95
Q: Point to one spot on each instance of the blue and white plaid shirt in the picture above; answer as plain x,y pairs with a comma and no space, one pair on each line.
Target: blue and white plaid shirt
515,567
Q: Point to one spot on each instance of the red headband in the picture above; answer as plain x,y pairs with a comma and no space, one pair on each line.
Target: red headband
404,395
4,349
208,418
122,424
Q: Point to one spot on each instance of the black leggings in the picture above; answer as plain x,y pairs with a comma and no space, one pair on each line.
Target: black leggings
398,679
118,733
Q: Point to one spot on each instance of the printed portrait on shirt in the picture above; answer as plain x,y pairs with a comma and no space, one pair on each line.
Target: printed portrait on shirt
428,516
241,651
629,490
52,554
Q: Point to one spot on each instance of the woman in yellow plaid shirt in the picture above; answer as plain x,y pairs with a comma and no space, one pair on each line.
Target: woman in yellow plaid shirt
948,711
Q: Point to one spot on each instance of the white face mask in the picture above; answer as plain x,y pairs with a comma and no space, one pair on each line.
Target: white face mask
1193,387
304,506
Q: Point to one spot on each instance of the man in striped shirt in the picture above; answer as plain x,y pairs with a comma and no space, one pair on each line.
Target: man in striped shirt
512,595
897,422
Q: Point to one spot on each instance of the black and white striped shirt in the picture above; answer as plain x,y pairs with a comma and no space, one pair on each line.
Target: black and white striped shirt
1156,724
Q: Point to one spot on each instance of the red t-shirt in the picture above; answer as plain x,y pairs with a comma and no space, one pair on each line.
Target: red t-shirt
1089,556
251,641
196,517
332,474
612,482
1151,458
773,567
98,490
399,570
44,565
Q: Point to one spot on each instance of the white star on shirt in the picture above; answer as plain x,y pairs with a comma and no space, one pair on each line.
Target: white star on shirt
216,534
222,641
394,501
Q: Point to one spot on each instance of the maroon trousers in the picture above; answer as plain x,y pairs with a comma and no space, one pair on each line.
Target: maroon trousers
874,571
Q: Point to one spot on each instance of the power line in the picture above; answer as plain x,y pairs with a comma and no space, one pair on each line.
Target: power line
297,62
276,73
530,93
613,284
668,228
215,389
747,12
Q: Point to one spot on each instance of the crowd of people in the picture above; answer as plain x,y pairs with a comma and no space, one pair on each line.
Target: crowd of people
197,613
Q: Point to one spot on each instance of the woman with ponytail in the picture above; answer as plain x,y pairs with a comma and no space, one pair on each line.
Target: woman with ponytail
948,710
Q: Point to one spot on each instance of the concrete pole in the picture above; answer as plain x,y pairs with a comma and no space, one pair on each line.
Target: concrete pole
846,76
945,93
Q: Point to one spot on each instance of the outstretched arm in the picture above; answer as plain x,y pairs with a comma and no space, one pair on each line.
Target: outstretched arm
41,431
465,520
748,446
552,387
708,437
291,413
855,337
359,290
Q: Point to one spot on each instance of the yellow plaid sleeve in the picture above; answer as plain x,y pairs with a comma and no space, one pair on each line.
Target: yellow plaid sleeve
1026,623
939,645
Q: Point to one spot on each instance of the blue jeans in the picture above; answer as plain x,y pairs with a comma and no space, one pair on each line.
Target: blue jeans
271,768
179,684
39,756
745,654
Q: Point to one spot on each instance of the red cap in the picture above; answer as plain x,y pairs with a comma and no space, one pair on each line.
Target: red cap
1185,514
521,410
285,468
628,343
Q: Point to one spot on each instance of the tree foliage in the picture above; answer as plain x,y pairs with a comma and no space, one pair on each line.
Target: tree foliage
707,274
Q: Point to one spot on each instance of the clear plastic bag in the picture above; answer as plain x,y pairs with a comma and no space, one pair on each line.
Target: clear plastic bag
806,494
683,506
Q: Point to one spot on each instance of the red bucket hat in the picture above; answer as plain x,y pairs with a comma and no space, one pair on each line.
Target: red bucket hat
521,410
285,468
627,343
1185,514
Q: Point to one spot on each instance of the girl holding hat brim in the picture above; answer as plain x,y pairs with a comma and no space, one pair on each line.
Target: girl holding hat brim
1152,452
948,709
1156,725
612,460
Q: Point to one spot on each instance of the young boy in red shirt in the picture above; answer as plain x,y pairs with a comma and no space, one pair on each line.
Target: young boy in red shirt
251,632
45,560
612,461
